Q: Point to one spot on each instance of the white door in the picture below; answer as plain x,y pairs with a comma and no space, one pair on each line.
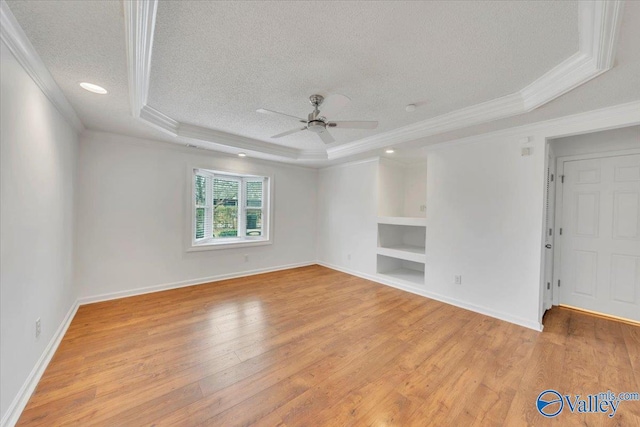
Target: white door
600,241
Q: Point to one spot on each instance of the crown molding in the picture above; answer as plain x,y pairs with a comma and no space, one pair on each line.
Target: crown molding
480,113
139,25
569,74
158,120
612,117
599,23
600,27
320,154
18,43
186,130
350,163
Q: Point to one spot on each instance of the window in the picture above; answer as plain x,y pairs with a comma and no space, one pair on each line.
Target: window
229,209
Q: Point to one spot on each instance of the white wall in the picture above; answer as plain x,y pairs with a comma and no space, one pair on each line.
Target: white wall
38,152
484,222
391,186
347,216
415,190
134,204
597,142
402,188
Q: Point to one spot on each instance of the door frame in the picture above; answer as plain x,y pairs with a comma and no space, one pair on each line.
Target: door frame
557,238
550,213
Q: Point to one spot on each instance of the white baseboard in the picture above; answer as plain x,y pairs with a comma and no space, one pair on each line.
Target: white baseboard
404,286
185,283
14,411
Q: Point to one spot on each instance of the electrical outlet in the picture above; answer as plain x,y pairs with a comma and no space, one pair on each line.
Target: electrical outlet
457,280
246,257
423,208
38,327
348,257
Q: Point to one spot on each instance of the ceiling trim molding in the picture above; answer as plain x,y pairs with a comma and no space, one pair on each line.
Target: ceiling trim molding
480,113
569,74
599,23
20,46
599,27
186,130
352,163
158,120
319,154
613,117
139,24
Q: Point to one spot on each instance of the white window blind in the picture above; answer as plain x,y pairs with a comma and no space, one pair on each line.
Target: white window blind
229,208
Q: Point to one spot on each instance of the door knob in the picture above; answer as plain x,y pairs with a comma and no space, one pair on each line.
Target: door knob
548,246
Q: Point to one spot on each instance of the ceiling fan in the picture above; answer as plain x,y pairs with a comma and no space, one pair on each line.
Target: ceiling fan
317,120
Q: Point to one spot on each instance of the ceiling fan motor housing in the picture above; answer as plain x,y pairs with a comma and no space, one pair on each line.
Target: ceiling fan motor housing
316,126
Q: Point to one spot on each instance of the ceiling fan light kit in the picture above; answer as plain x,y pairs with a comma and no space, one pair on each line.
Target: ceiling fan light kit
317,121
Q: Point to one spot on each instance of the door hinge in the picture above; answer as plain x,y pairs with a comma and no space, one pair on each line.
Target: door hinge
558,282
561,231
551,177
548,285
562,179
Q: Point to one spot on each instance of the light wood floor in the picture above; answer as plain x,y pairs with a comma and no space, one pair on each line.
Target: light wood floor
314,347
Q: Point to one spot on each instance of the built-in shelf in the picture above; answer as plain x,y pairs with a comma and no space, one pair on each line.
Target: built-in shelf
401,269
406,252
411,276
402,220
402,226
403,242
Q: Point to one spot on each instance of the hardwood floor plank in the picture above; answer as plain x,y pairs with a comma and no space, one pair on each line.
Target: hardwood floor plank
631,335
316,347
337,380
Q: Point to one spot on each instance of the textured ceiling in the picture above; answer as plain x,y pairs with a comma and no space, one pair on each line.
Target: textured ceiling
215,63
619,85
85,41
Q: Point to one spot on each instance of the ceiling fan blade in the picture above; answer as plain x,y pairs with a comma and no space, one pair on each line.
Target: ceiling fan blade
289,132
353,125
332,104
326,137
276,113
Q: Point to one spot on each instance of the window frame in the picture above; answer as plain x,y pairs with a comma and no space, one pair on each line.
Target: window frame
211,243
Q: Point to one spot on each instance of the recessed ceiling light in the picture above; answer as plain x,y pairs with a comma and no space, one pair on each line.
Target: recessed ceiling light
390,151
242,154
93,88
410,108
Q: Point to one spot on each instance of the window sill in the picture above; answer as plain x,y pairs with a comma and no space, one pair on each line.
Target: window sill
212,246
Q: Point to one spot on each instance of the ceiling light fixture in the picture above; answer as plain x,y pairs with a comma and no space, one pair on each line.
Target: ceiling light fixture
390,151
410,108
242,154
93,88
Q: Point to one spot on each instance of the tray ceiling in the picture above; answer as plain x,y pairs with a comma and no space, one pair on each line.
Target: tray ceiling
214,63
195,72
